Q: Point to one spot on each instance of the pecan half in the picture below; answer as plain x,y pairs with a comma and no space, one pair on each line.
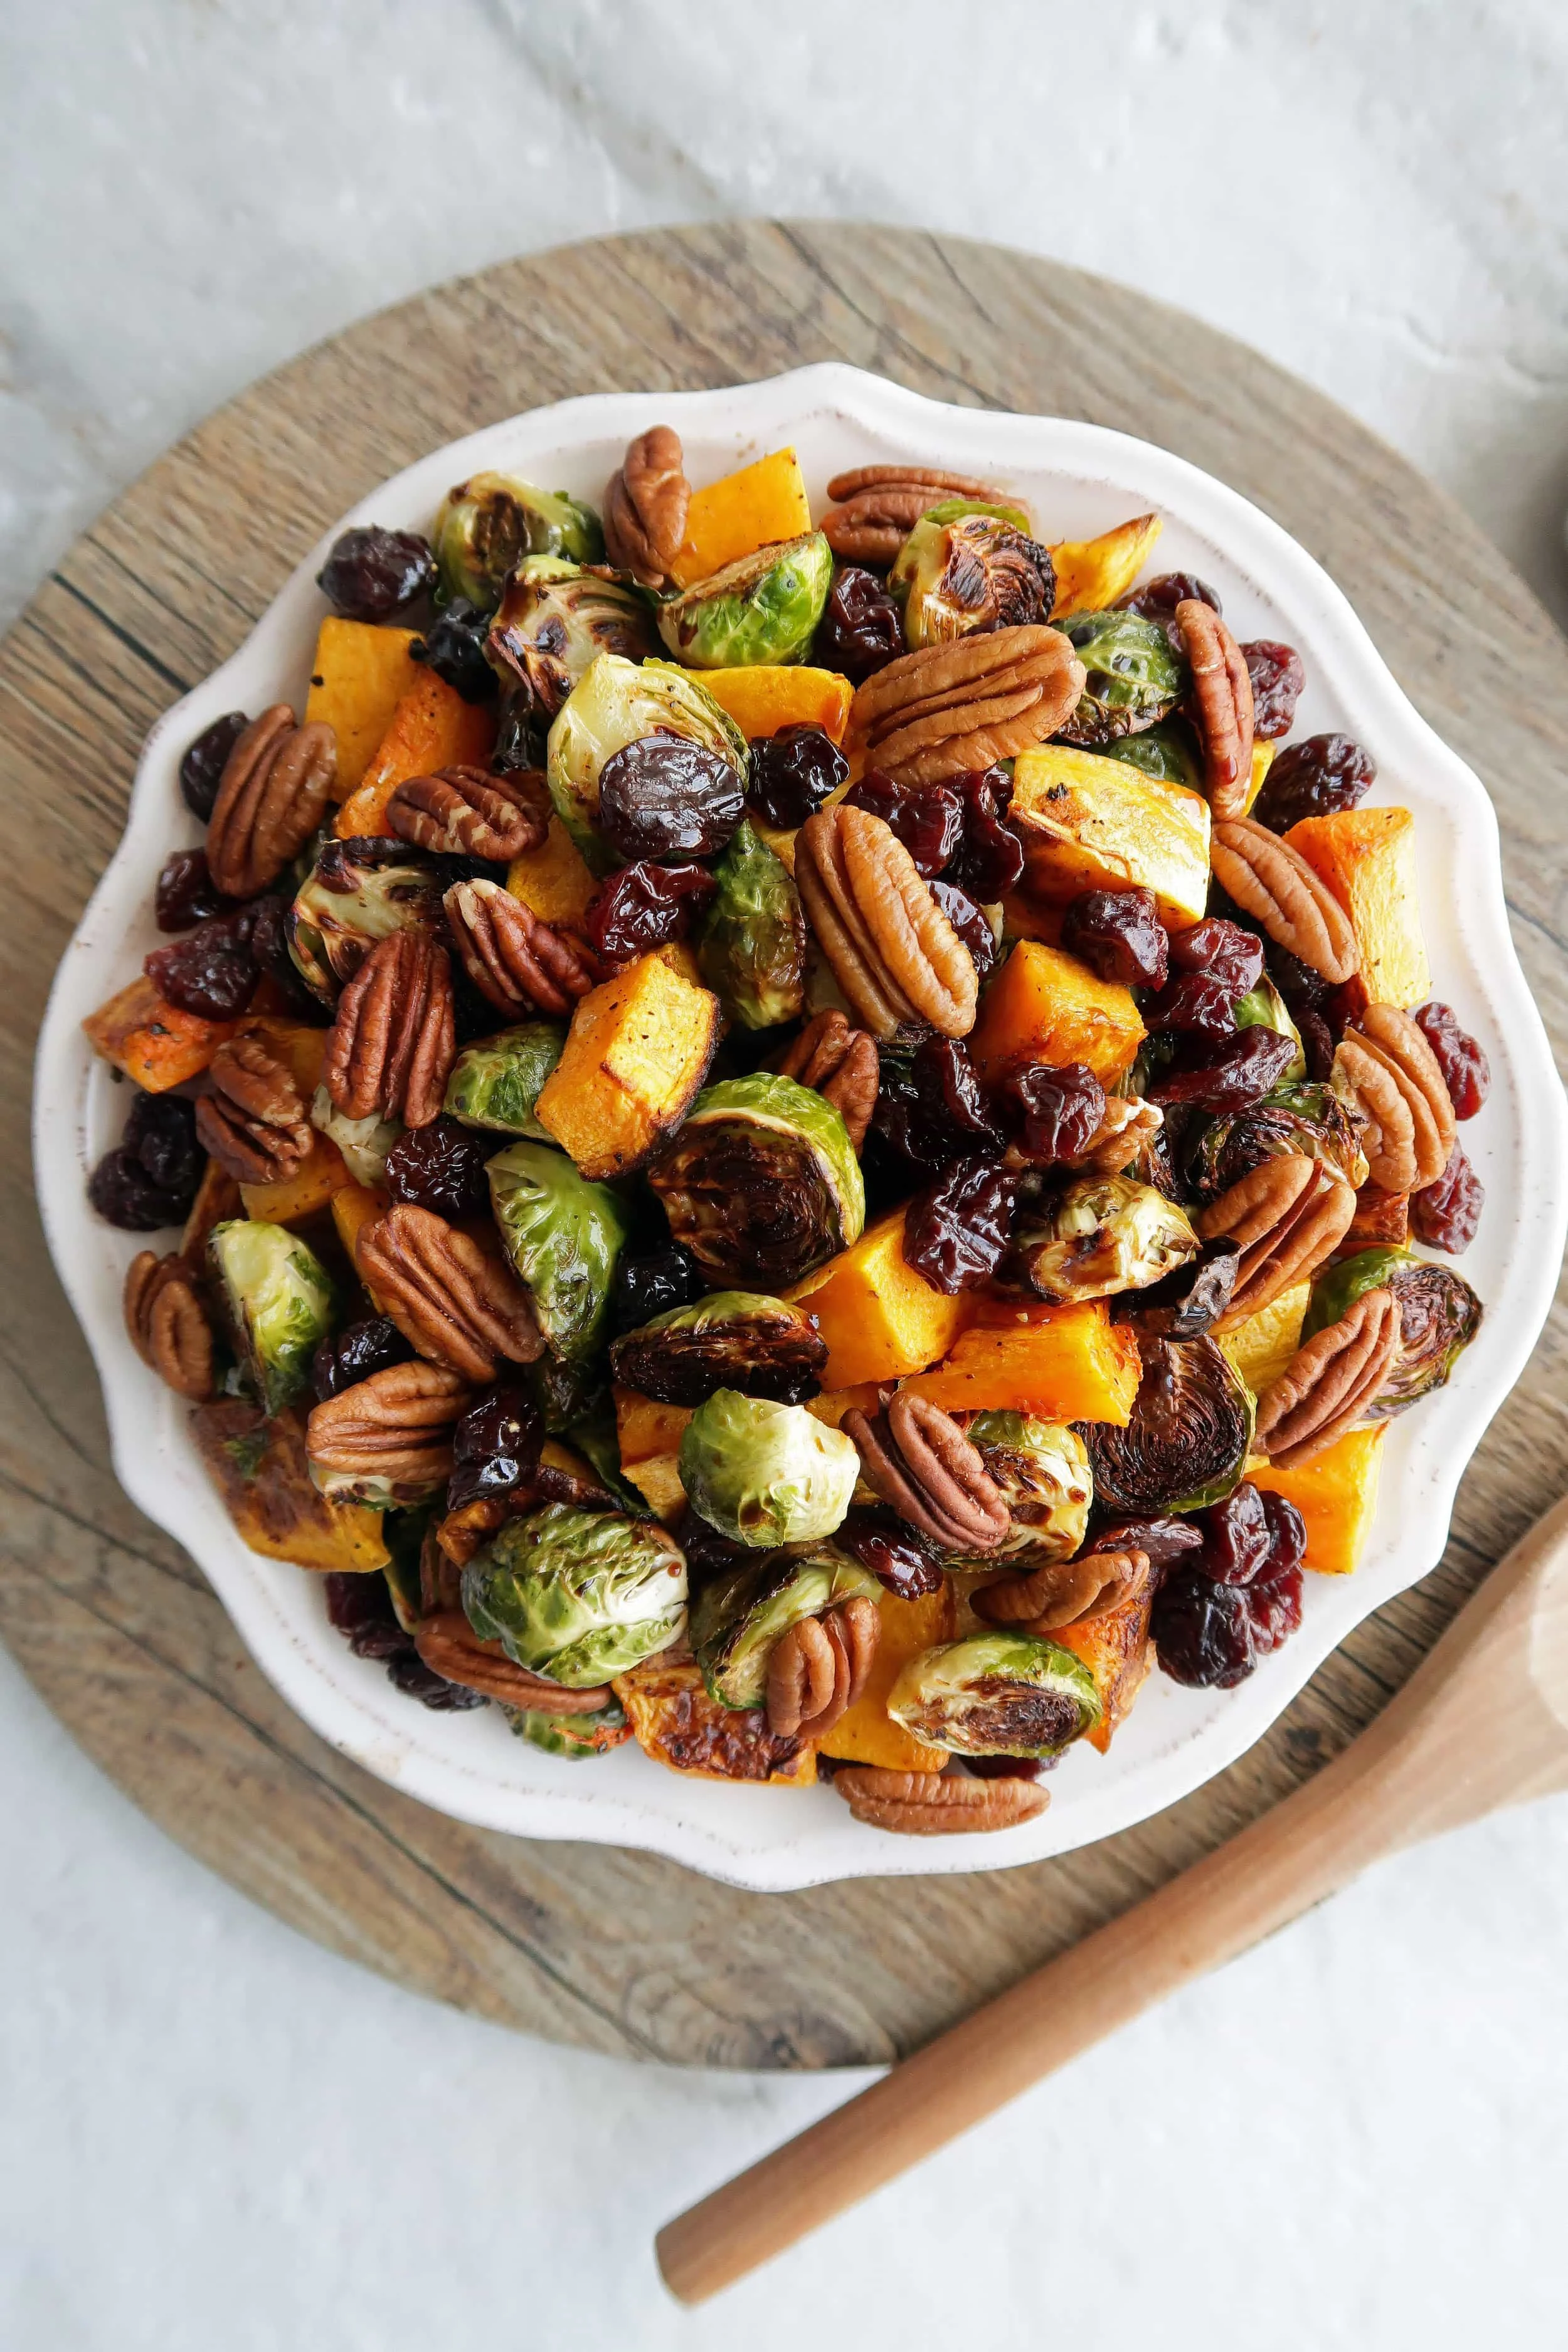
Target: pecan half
168,1323
1064,1592
920,1460
469,813
254,1122
1399,1085
390,1049
1221,697
841,1065
449,1646
1329,1382
520,963
936,1804
395,1425
1288,1216
274,792
956,708
893,951
1273,883
819,1668
878,505
452,1300
645,506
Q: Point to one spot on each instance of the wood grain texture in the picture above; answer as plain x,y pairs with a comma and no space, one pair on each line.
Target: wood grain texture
117,1629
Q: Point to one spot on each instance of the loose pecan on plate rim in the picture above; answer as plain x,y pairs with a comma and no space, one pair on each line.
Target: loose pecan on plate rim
936,1804
168,1323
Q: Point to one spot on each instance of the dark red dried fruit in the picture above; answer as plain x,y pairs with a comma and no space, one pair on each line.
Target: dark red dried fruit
1445,1216
1216,1615
1241,1069
1202,1630
160,1135
793,772
650,1284
186,892
211,971
1165,1539
1196,1004
1157,600
1287,1534
1237,1540
1007,1767
441,1167
371,1345
1277,680
1055,1111
415,1679
957,1230
644,906
1119,934
895,1555
454,648
970,923
495,1446
929,1108
990,860
201,769
663,797
1274,1605
861,628
359,1608
927,818
1223,950
1188,1303
1467,1073
269,947
372,573
123,1194
1321,774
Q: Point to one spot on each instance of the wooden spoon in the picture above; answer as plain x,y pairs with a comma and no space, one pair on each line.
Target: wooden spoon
1483,1722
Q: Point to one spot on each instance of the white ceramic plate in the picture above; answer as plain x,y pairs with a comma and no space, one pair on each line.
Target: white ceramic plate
1078,479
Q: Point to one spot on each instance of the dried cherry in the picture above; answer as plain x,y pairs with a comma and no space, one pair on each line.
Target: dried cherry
161,1134
644,906
1240,1598
1119,934
1165,1539
186,892
441,1167
1236,1540
1239,1070
495,1446
1223,950
411,1675
359,1608
123,1194
1277,680
990,860
454,648
651,1283
210,971
360,1349
793,772
895,1555
664,797
957,1230
927,818
930,1107
1054,1110
970,923
201,769
372,573
1317,777
1287,1533
1445,1214
1196,1004
1467,1073
861,628
1157,600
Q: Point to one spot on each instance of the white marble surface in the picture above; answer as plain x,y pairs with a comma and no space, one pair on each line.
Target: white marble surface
212,2135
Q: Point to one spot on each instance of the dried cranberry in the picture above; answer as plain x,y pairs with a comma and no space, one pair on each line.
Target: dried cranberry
211,972
663,797
957,1230
1158,598
1224,950
1237,1540
1216,1616
1274,1607
652,1283
1202,1630
861,628
1188,1303
927,818
495,1446
1241,1069
710,1555
930,1107
370,573
1196,1004
644,906
970,923
360,1349
269,947
201,769
1165,1539
1119,934
411,1675
441,1167
1317,1045
123,1194
1006,1767
1467,1073
454,648
186,892
1445,1214
1278,679
793,772
1056,1110
895,1555
359,1608
990,860
1287,1534
1316,777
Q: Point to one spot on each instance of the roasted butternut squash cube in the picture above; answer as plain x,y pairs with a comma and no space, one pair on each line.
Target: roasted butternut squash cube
311,1188
1092,573
1115,1649
354,1206
1367,857
880,1318
674,1721
733,517
1336,1494
1261,1345
1262,760
866,1733
217,1197
1046,1006
553,879
648,1438
155,1044
768,696
833,1403
636,1056
1060,1363
360,675
432,727
1090,824
261,1469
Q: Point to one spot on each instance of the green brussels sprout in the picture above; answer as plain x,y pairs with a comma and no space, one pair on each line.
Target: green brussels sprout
761,608
766,1474
562,1235
1041,1470
1263,1007
556,618
363,1142
496,1083
1188,1439
357,892
280,1303
489,523
731,1339
573,1735
1098,1235
737,1620
762,1183
996,1695
614,703
1439,1315
968,566
1298,1117
577,1595
751,946
1167,752
1132,677
566,1389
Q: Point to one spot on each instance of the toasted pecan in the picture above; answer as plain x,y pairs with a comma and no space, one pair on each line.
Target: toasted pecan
1222,692
819,1668
275,789
936,1804
449,1646
1273,883
516,960
840,1064
921,1463
892,951
1399,1085
953,709
465,812
254,1122
1330,1382
645,506
391,1046
395,1426
1288,1216
1064,1592
454,1302
168,1323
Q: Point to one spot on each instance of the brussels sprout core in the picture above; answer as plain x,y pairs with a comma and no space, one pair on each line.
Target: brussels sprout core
766,1474
496,1083
763,608
577,1595
1104,1235
492,521
996,1695
762,1183
279,1302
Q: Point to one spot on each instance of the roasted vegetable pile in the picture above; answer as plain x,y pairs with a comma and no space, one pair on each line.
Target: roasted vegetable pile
797,1141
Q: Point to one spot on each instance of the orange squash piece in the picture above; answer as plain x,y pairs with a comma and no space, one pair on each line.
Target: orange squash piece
866,1733
1092,573
674,1721
1367,857
881,1319
767,697
647,1437
1093,824
1046,1006
1115,1648
1261,1345
1262,760
1336,1494
359,676
755,507
1060,1363
635,1058
155,1044
355,1206
323,1172
553,879
432,727
261,1469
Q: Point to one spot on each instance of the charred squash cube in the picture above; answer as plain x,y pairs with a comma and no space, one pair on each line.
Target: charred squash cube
633,1062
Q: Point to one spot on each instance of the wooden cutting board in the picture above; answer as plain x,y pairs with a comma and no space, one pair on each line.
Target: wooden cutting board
114,1624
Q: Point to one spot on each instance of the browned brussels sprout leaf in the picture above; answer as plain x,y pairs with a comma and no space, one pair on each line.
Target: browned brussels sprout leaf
731,1339
1189,1436
1299,1116
1439,1315
762,1183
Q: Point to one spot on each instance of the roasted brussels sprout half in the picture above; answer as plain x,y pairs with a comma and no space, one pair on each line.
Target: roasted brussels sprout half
752,946
766,1474
996,1695
557,617
280,1303
762,1183
1042,1471
1298,1117
614,703
577,1595
562,1235
1189,1436
737,1620
1132,679
731,1339
357,892
572,1736
492,521
1439,1315
1263,1007
763,608
363,1142
496,1081
965,566
1167,752
1101,1235
1188,1302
